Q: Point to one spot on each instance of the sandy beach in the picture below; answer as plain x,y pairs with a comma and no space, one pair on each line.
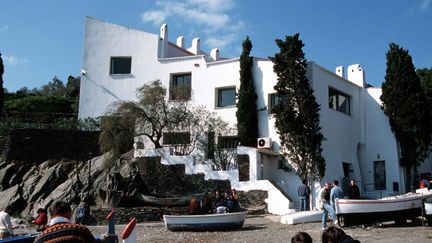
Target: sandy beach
266,228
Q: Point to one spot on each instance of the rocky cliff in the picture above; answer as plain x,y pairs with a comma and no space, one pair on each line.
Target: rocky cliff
27,188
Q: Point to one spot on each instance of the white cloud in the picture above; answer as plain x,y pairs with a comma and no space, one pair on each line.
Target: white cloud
4,27
221,41
424,5
213,19
212,5
157,17
13,61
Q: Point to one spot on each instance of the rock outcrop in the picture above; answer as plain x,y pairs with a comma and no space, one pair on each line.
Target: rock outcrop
104,181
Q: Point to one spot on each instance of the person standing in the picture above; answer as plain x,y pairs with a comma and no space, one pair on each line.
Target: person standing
6,229
353,190
83,212
335,193
327,208
41,220
303,192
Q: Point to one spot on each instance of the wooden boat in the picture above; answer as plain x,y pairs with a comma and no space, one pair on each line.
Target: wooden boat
168,201
205,222
427,211
21,238
395,208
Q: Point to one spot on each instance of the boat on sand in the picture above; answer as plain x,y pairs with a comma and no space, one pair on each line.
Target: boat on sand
205,222
394,208
168,201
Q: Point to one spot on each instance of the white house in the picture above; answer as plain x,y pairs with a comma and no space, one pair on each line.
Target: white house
359,143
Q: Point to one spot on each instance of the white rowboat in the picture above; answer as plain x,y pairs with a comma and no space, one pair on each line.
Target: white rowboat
396,208
205,222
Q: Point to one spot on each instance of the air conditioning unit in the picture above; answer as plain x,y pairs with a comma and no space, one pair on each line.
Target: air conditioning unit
264,143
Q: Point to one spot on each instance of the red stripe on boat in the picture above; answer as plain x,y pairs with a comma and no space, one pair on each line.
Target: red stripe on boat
128,230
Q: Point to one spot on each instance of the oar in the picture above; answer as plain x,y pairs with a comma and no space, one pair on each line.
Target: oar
129,233
111,224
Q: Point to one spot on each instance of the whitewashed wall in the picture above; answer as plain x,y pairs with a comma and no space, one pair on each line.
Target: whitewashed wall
356,138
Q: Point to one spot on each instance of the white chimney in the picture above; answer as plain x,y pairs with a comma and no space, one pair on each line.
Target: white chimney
214,53
180,41
356,75
195,46
163,41
340,71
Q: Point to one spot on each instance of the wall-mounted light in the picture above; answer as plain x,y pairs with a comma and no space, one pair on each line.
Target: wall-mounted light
83,72
196,65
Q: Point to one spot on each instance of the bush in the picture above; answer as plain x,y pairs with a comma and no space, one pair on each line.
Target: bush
41,104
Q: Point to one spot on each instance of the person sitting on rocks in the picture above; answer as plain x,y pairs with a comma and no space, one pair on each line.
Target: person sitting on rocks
194,207
41,220
218,199
61,229
219,203
235,197
229,202
206,205
301,237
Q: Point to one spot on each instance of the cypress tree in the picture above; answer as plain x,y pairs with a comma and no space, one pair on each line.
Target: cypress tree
297,112
247,118
1,86
425,75
404,102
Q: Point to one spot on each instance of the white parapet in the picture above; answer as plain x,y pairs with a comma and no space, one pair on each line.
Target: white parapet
277,202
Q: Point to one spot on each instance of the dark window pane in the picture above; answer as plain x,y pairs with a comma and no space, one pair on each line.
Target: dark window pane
121,65
339,101
210,145
274,100
180,88
226,97
228,141
176,138
380,175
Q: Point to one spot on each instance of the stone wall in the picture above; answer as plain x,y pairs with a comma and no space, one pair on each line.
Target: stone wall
142,214
39,145
251,201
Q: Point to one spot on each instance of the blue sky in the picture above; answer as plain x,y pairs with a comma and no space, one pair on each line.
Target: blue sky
42,39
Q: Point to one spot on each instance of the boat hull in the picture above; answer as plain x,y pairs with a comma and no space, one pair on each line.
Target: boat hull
399,209
206,222
21,239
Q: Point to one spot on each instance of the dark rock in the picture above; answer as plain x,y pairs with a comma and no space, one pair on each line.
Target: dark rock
6,174
12,197
171,181
51,178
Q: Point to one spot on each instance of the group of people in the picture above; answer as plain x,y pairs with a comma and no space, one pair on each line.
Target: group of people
330,235
328,197
58,229
424,182
219,202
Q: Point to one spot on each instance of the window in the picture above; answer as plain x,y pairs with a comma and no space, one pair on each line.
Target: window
339,101
210,145
273,101
228,142
380,175
226,97
176,138
120,65
180,88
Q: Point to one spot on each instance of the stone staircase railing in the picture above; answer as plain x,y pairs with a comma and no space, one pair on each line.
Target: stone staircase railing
278,201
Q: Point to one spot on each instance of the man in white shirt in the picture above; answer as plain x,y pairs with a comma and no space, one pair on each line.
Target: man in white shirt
5,223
